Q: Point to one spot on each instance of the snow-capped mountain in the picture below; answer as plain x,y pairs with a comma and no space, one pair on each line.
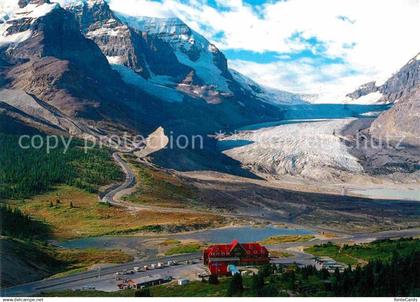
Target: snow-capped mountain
402,121
15,23
269,95
55,78
400,84
84,64
166,58
141,60
208,63
191,49
161,56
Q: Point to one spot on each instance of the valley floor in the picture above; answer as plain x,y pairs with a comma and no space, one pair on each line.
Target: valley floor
165,208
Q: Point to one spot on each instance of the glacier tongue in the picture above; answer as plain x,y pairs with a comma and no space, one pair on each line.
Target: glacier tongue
312,150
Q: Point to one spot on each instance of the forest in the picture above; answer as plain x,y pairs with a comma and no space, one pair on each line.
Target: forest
16,224
397,277
27,172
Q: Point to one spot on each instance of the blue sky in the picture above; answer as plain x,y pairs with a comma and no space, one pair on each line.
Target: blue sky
324,47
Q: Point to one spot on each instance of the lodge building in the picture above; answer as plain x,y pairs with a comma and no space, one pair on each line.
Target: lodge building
218,257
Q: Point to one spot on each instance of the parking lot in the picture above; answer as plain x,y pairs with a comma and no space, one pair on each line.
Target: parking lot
183,270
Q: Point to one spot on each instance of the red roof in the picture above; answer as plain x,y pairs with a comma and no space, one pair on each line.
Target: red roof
219,250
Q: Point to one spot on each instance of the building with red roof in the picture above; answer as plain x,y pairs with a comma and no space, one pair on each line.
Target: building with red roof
219,256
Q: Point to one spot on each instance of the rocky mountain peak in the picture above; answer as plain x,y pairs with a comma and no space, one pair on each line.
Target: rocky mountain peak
401,122
398,85
94,13
402,82
24,3
363,90
191,48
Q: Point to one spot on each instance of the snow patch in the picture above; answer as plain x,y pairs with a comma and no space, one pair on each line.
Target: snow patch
103,31
37,11
265,94
184,41
115,60
13,39
12,13
154,86
205,70
373,98
91,3
7,8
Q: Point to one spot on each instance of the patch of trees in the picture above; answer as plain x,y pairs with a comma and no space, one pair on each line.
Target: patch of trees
16,224
399,276
144,292
235,286
27,172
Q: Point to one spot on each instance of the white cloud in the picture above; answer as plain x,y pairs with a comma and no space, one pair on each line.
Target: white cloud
374,37
303,76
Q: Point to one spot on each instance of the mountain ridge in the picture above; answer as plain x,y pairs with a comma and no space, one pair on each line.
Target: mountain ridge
56,58
401,122
399,84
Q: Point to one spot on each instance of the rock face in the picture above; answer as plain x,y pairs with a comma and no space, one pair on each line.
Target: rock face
116,40
401,123
23,3
400,84
144,53
403,82
84,70
191,48
171,62
45,56
363,90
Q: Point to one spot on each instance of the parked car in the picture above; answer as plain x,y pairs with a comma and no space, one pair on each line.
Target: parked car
88,287
183,281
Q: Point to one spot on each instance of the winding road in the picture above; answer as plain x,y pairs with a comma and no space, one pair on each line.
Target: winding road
130,181
107,274
111,197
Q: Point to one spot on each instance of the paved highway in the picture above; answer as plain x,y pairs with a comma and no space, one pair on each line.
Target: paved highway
86,278
130,180
108,273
